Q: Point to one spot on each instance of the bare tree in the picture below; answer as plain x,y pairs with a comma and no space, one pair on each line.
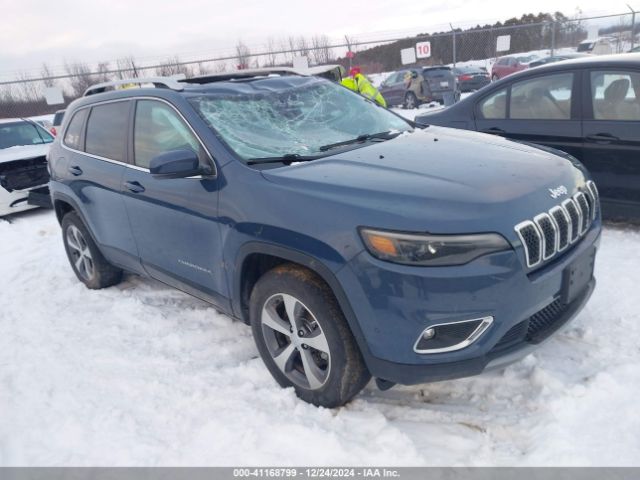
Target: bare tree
243,54
46,74
127,67
80,77
220,67
28,90
173,66
321,52
272,56
303,46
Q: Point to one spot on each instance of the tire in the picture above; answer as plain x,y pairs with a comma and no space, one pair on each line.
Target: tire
410,101
327,379
494,78
87,262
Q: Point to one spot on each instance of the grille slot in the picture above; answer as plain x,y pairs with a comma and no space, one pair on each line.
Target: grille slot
549,235
574,214
552,232
595,195
583,205
532,242
563,224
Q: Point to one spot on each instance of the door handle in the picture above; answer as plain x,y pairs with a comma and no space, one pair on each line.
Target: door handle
602,138
75,170
134,187
494,131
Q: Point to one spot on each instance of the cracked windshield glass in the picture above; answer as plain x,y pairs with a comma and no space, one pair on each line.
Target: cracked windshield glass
268,120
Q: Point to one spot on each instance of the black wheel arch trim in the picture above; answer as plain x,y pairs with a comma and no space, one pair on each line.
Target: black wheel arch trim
312,264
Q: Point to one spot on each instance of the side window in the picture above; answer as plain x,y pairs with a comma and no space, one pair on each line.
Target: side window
542,98
393,78
495,106
73,135
159,129
107,130
616,95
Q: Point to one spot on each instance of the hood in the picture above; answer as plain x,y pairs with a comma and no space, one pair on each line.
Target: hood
23,152
438,175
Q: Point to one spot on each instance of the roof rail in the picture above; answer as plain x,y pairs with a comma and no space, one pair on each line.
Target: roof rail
244,74
158,82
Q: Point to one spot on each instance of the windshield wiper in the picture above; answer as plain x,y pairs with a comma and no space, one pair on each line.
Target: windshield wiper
388,135
287,159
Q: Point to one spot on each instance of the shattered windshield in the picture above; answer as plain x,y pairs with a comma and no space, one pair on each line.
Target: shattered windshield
264,120
22,133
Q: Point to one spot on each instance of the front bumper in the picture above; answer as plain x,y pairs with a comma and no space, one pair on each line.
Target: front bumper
393,304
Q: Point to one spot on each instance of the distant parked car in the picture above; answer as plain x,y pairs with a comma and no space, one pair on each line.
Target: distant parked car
507,65
635,49
596,46
471,78
557,58
57,122
23,165
587,107
436,82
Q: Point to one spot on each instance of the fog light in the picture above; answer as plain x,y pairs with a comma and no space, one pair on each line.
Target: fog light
428,334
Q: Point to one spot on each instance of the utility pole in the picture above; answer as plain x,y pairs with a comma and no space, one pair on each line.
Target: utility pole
633,26
454,45
553,37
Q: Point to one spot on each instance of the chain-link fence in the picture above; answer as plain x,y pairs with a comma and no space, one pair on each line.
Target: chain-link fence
22,93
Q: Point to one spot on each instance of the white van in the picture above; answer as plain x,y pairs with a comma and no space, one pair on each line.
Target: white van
596,46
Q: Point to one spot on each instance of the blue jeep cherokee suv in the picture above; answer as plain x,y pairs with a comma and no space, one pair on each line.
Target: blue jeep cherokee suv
354,242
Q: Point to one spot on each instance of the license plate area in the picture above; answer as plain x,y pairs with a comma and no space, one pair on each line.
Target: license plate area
577,276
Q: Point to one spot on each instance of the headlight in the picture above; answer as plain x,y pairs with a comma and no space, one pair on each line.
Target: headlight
431,250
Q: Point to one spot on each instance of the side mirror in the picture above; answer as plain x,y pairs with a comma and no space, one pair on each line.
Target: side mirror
175,164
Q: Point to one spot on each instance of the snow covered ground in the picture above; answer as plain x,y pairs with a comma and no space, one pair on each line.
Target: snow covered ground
141,374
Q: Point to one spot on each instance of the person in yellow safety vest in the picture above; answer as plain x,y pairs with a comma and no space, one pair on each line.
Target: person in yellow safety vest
357,82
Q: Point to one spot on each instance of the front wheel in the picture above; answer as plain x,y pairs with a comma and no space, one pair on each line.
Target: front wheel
494,78
85,258
303,337
410,101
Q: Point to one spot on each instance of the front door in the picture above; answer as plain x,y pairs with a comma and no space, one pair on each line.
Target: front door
174,221
612,138
540,110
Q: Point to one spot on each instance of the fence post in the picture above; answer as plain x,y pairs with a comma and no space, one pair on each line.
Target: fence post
633,26
454,45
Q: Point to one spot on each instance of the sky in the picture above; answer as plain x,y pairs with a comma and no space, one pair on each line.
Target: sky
60,31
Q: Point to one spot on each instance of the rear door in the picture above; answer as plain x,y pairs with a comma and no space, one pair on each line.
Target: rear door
611,149
94,149
394,88
542,109
174,221
439,80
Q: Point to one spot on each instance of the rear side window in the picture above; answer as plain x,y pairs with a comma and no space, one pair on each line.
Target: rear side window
107,130
542,98
159,129
616,95
73,135
494,107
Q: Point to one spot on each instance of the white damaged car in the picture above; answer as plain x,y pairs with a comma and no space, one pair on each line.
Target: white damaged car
23,165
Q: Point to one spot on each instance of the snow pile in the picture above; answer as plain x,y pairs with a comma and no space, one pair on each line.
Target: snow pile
141,374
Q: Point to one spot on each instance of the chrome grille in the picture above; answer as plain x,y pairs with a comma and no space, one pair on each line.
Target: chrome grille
552,232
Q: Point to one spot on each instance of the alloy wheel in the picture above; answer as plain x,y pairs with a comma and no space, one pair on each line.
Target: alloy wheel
295,341
80,253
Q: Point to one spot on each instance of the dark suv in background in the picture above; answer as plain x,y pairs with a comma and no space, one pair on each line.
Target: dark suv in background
352,242
435,83
587,107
